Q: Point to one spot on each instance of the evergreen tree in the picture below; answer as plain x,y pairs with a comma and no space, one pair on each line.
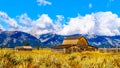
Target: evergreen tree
38,47
27,44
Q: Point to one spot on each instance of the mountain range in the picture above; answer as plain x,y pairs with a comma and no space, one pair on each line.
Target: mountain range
18,38
50,39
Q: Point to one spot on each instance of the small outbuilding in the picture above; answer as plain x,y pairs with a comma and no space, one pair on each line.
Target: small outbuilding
23,48
74,44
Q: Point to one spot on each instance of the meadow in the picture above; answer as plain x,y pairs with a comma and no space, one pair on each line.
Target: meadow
45,58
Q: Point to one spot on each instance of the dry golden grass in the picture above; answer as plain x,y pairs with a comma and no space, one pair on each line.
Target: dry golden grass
47,59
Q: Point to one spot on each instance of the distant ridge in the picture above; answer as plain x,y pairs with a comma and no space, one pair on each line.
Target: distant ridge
17,38
50,39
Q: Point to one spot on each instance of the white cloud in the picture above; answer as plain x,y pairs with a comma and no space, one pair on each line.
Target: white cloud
24,19
43,24
79,25
101,23
58,23
90,5
43,2
6,19
107,23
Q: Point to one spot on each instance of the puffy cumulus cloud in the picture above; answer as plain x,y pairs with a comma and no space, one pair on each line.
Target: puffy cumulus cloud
79,25
107,23
6,19
58,24
100,23
42,25
43,2
43,22
24,19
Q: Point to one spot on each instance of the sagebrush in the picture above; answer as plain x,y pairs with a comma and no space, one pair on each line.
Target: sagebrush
45,58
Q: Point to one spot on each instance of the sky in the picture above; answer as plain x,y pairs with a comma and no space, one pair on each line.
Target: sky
64,17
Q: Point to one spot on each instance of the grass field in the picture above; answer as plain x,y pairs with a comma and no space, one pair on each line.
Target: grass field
47,59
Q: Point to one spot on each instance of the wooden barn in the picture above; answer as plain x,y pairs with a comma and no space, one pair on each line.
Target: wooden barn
23,48
74,44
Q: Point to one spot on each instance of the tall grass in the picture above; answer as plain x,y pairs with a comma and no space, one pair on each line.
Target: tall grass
48,59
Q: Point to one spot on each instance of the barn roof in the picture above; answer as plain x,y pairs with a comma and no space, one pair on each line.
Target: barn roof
73,40
29,47
24,47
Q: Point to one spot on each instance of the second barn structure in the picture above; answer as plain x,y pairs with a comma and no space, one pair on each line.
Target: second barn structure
74,44
23,48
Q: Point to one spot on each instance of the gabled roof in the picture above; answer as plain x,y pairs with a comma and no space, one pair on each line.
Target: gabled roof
70,41
27,47
24,47
73,40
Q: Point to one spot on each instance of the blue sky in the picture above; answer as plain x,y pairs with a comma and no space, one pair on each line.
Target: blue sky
56,12
68,8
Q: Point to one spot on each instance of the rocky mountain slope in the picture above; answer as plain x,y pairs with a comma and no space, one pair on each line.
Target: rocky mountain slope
17,38
94,40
